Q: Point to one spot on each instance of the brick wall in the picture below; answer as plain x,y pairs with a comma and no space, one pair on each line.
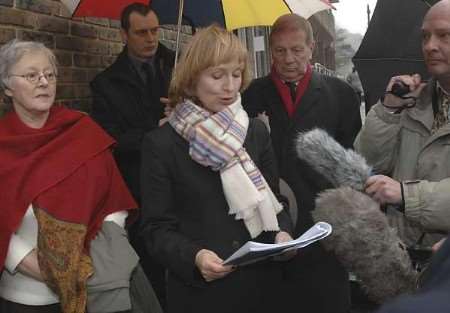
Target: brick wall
83,46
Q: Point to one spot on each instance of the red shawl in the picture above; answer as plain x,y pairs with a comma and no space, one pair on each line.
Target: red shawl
284,92
67,171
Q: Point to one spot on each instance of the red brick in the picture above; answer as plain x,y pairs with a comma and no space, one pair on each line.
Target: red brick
109,34
64,58
71,75
15,17
115,48
82,91
92,73
79,75
63,11
53,24
46,39
83,30
97,47
85,60
97,21
6,34
114,23
70,43
64,74
41,6
65,91
108,60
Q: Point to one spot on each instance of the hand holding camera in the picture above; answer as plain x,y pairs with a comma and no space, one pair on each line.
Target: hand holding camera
402,92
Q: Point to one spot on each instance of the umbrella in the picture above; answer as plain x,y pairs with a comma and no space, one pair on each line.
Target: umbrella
391,45
232,14
98,8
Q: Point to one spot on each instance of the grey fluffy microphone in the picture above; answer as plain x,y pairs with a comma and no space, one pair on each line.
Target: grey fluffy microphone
340,166
362,239
365,244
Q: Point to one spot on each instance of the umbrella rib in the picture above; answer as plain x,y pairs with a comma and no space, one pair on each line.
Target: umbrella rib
223,15
289,8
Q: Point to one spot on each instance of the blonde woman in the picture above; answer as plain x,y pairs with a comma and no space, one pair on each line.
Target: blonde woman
207,181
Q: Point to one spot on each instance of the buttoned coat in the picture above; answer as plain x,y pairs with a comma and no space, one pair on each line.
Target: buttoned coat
331,104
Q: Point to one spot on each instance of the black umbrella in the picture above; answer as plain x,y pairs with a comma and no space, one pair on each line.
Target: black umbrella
391,45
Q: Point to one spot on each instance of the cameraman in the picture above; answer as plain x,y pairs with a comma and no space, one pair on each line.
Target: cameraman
407,138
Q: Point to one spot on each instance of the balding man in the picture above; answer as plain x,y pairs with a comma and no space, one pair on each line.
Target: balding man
297,99
408,141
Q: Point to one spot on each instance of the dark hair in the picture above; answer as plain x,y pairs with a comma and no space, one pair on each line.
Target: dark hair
142,9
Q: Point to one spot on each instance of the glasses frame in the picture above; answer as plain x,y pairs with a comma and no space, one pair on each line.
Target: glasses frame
38,78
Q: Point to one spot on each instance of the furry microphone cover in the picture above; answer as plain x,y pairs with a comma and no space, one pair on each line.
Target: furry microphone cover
340,166
365,244
361,239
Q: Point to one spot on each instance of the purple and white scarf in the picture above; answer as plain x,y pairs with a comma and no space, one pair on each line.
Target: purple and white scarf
216,140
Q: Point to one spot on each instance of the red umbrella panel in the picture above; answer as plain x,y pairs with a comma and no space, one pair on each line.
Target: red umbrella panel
98,8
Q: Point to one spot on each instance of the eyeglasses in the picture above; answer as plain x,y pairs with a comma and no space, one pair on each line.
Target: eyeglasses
35,77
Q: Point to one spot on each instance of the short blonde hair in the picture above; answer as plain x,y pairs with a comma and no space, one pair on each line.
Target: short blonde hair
209,47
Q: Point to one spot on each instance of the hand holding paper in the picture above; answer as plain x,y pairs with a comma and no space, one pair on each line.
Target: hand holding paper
252,252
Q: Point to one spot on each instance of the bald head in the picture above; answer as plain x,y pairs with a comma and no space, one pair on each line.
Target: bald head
441,8
436,42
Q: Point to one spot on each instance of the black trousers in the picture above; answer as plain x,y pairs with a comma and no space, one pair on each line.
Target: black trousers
12,307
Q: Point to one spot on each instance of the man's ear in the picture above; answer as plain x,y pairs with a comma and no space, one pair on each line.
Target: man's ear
124,35
8,92
312,45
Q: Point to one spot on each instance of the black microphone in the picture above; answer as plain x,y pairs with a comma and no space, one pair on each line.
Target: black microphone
365,244
342,167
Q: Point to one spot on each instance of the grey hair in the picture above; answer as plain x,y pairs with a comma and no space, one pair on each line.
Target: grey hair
10,55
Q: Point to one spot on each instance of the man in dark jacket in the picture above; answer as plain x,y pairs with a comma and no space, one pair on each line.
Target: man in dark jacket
127,94
297,99
127,103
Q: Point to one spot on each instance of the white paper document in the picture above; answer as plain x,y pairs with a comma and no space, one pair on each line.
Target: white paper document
254,251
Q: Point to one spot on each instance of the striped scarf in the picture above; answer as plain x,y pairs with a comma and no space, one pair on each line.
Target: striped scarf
216,140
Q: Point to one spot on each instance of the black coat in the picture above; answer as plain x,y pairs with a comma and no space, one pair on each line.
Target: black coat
331,104
184,210
126,109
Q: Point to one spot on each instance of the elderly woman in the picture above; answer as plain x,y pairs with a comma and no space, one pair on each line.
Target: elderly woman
206,184
59,187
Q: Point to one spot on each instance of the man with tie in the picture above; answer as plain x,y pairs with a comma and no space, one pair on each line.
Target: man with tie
295,99
127,102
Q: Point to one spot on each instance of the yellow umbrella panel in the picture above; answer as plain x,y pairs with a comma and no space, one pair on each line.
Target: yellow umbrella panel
245,13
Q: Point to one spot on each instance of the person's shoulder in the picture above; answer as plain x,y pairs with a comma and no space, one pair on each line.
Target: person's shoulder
257,130
116,68
261,82
256,125
161,137
163,49
166,54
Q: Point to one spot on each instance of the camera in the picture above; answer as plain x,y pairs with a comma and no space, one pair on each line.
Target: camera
400,89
